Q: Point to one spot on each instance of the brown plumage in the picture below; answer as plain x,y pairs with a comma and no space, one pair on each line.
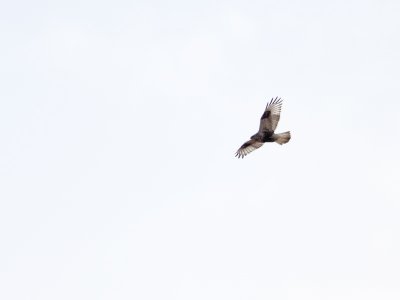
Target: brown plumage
269,121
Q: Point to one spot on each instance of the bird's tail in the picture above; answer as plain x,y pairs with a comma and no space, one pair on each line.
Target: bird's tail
282,138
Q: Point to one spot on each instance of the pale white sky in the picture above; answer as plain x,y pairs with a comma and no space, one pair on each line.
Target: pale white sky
119,121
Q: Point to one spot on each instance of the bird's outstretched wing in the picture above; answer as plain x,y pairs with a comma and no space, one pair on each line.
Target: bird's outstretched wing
248,147
270,118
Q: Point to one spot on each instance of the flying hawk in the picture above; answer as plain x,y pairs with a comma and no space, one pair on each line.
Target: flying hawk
269,121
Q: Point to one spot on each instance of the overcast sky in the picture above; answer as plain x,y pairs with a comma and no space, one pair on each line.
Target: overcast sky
119,121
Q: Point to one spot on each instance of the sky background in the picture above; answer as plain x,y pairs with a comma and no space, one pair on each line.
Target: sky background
119,121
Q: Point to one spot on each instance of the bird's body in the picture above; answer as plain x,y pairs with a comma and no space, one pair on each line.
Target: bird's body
264,137
269,121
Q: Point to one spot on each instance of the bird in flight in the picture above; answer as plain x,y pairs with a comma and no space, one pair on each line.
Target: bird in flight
269,121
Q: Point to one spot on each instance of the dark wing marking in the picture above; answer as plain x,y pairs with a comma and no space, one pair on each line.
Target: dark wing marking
248,147
270,118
